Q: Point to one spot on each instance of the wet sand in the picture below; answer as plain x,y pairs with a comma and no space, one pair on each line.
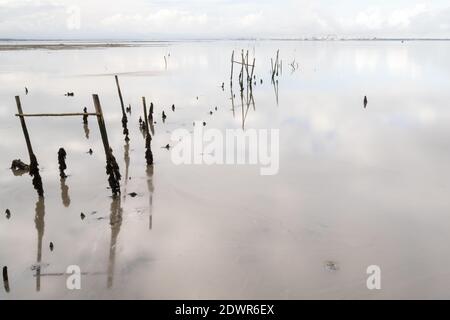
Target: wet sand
356,186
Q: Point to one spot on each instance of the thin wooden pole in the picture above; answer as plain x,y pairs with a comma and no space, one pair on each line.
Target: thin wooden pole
34,166
120,94
101,125
144,104
24,128
253,69
112,168
148,139
124,115
55,114
232,62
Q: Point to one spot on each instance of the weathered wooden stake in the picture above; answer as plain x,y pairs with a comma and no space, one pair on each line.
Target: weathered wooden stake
148,138
34,166
232,63
124,115
5,279
62,162
112,168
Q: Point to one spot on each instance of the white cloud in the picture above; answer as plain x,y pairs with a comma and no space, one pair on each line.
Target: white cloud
225,18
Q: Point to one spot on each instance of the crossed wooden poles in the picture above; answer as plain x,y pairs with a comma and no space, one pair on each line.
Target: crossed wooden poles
244,65
112,168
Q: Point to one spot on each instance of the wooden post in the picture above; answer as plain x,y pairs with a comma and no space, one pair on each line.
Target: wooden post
120,94
124,115
148,138
145,115
24,128
253,69
276,62
112,168
232,63
34,166
5,279
101,125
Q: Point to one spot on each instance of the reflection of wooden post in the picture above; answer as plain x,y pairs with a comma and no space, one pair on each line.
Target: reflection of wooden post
24,128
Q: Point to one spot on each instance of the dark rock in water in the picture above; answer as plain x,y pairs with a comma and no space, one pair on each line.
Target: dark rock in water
51,246
211,113
8,214
216,108
204,124
173,108
331,266
82,216
133,194
19,165
261,81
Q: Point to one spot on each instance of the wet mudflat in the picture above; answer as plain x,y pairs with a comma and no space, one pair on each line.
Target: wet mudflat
358,184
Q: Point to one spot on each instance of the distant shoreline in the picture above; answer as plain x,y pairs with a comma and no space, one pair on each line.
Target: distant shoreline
29,44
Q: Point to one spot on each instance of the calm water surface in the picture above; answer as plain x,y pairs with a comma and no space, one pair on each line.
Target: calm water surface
356,186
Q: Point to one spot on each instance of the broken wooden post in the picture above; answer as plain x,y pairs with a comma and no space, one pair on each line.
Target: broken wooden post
124,115
112,168
34,166
62,162
5,279
148,138
85,117
150,115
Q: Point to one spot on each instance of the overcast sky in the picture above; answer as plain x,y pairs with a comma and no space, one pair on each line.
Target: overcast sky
178,19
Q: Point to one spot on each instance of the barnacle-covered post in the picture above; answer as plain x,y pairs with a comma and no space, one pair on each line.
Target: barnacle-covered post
112,168
124,115
62,162
34,166
148,138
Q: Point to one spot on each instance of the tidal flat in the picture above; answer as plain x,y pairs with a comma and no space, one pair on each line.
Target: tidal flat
357,186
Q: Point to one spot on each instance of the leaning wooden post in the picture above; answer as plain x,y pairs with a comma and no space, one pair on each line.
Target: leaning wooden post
232,64
253,69
34,166
148,138
124,115
112,168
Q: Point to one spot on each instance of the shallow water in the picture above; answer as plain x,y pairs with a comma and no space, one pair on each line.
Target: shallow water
356,187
